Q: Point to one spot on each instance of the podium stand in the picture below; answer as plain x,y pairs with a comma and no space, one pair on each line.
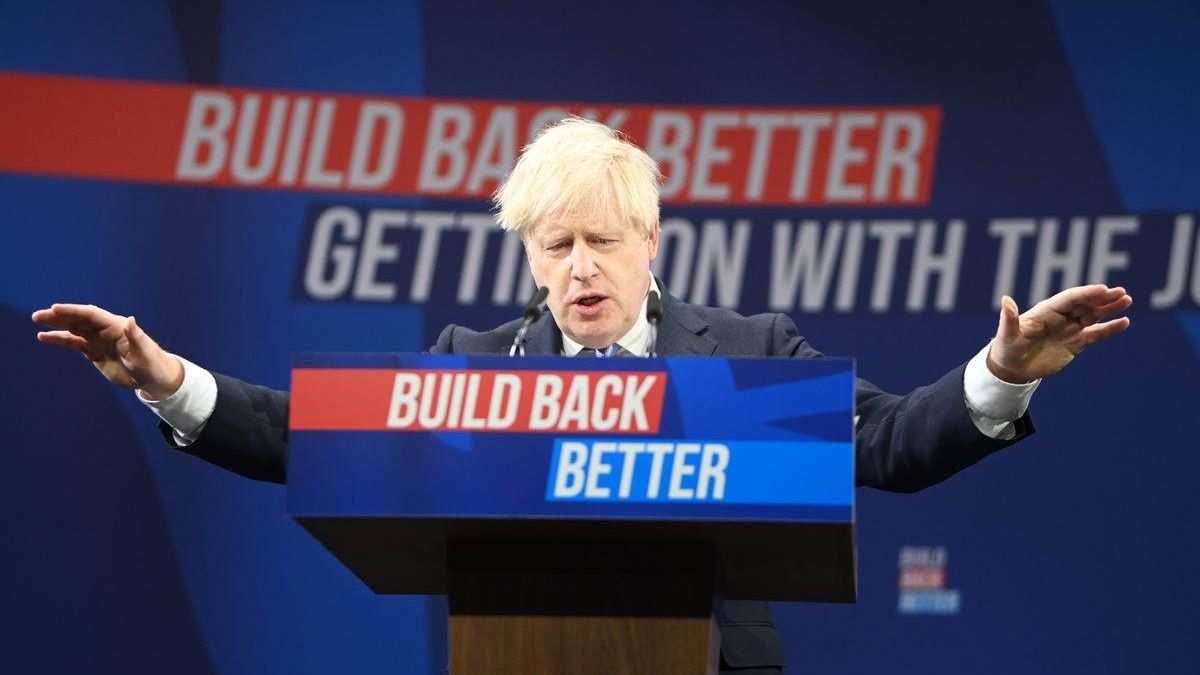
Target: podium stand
582,515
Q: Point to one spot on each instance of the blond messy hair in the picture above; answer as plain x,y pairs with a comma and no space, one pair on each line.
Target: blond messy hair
579,167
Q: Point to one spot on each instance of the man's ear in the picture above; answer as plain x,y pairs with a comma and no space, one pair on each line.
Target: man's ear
529,259
652,240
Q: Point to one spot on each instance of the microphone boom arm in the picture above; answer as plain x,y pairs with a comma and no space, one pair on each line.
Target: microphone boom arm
532,312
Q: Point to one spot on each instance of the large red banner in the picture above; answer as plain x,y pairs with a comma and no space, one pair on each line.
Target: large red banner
271,139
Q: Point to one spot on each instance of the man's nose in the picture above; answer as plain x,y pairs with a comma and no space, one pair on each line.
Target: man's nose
583,263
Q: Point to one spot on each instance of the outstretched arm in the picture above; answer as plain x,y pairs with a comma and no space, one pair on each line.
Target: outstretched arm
243,427
906,443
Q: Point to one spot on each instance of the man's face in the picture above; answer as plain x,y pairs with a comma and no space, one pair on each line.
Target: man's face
598,272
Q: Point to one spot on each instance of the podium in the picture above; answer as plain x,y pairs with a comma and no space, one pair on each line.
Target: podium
583,515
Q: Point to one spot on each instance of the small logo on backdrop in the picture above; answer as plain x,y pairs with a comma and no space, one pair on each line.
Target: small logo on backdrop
923,582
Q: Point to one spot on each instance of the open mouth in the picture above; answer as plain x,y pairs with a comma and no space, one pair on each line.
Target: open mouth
590,305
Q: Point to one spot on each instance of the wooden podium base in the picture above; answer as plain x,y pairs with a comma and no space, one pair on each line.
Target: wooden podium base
582,608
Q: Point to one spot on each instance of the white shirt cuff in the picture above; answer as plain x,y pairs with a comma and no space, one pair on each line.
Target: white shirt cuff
188,409
992,403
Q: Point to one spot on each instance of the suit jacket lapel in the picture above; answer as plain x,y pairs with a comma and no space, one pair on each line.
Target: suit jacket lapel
682,331
542,339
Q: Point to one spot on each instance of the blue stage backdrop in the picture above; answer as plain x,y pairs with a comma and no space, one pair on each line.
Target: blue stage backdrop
254,179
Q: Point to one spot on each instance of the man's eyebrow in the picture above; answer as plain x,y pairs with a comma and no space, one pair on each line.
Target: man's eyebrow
605,229
551,233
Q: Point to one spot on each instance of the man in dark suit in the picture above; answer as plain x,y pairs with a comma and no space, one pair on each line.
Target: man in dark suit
585,203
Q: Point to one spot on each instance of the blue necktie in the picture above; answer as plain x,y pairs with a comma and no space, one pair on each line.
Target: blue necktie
611,350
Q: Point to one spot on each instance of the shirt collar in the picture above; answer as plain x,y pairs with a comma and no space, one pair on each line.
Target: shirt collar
634,341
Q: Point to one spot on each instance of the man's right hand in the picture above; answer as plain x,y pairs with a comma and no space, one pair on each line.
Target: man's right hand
115,344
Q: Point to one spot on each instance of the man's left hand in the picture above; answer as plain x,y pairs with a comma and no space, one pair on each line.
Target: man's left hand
1044,339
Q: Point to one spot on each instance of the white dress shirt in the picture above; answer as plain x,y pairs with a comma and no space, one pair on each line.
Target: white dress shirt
992,403
188,409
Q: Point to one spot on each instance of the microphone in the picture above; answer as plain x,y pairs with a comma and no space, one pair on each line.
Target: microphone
654,314
532,312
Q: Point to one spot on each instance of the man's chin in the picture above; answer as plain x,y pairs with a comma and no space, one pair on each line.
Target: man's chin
590,335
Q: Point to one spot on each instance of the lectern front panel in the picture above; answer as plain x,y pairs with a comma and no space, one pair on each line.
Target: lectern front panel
394,455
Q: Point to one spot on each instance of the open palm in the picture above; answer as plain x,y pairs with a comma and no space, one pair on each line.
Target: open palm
115,344
1044,339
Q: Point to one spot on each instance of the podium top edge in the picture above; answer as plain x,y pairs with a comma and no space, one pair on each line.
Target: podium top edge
359,359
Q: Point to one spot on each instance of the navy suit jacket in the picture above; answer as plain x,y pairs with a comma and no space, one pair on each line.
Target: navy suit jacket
902,443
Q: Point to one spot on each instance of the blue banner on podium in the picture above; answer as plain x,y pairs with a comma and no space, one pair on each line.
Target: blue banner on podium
684,438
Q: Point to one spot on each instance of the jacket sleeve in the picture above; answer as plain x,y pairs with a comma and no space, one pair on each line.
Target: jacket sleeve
907,443
247,432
